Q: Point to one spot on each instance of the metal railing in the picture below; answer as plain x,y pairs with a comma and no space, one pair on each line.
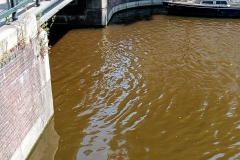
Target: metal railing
13,6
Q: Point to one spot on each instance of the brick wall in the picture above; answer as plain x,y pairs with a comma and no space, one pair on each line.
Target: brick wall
23,81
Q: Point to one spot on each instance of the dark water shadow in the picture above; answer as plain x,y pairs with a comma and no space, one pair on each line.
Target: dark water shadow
57,32
130,16
125,17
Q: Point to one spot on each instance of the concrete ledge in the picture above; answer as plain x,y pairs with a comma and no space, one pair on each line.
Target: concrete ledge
48,144
157,2
8,39
129,5
52,12
133,4
145,3
29,141
26,25
20,31
46,103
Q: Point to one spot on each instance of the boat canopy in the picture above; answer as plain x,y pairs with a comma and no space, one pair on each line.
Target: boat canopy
216,1
235,1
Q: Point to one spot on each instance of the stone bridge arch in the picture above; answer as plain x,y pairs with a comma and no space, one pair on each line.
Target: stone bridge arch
97,12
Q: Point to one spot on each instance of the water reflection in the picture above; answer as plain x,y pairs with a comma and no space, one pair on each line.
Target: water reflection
168,88
112,97
48,144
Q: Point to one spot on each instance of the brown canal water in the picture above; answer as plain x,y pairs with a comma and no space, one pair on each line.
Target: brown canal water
162,88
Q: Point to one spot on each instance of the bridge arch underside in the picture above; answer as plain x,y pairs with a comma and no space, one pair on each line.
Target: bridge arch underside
97,12
119,5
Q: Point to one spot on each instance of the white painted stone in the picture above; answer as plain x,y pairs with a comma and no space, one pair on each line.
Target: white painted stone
17,155
123,6
53,11
104,17
26,26
8,38
104,3
47,68
157,2
22,29
44,38
43,67
28,142
48,144
114,9
145,3
132,4
46,103
109,16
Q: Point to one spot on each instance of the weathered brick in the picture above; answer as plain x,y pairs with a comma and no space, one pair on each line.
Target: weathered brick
19,105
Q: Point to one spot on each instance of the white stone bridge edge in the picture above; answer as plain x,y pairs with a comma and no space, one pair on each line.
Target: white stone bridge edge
106,17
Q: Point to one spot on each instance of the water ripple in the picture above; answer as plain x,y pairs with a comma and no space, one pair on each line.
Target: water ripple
168,88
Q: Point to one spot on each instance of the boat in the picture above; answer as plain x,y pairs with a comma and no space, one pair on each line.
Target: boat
207,8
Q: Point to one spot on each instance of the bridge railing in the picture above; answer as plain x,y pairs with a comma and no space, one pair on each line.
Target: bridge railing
12,6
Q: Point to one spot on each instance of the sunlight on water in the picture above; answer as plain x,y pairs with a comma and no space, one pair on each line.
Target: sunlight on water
114,86
161,89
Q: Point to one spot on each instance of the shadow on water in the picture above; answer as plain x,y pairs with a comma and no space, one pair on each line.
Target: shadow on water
125,17
57,32
133,15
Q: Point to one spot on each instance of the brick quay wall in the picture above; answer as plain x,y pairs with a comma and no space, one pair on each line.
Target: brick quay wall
26,103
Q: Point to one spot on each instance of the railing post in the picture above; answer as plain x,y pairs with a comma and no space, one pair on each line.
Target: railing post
14,14
38,2
9,4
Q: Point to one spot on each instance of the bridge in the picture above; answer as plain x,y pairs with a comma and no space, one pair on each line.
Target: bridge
73,12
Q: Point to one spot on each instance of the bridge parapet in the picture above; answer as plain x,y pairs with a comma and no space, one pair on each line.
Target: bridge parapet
118,5
98,12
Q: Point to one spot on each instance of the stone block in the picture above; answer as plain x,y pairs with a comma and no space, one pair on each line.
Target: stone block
145,2
132,4
157,2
